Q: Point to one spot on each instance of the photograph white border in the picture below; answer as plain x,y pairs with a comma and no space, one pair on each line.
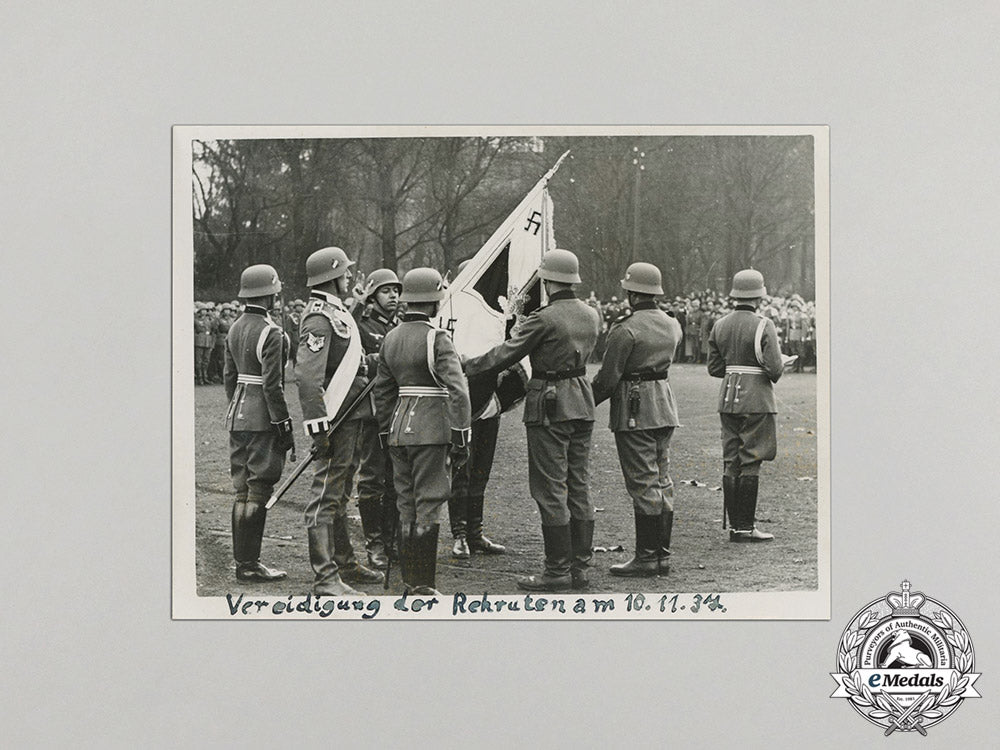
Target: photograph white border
186,604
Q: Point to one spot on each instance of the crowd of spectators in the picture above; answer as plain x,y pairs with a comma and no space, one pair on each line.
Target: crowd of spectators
793,317
211,326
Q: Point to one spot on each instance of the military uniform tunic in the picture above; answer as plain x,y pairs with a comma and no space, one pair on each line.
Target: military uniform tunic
255,356
331,373
421,397
634,375
743,350
374,466
559,405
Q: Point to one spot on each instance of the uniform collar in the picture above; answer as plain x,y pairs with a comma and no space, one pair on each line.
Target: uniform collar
412,317
562,294
254,310
644,305
332,299
750,308
380,316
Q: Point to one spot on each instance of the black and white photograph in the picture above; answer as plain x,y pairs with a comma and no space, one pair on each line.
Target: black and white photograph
499,372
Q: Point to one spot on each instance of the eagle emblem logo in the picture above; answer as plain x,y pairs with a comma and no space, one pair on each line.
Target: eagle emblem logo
314,342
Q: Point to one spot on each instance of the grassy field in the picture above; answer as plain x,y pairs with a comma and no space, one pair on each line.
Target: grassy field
702,560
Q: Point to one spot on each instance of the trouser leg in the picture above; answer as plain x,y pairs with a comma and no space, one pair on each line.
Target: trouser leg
578,470
484,444
547,471
458,510
260,465
370,458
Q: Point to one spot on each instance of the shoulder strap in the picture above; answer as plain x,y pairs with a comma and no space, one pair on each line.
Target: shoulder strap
263,338
431,338
758,341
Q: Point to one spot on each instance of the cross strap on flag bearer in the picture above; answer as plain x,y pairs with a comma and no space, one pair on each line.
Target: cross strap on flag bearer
499,285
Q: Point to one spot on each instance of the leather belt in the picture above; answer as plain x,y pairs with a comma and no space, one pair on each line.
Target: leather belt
550,376
641,376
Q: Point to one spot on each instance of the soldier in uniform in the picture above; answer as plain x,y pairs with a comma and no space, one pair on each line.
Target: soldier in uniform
331,374
292,321
222,325
743,351
692,335
641,346
376,316
423,409
558,418
260,430
204,340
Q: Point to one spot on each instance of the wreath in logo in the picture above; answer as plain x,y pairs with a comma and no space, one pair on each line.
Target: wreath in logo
932,702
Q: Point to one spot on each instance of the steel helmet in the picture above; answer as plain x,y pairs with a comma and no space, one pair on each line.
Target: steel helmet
560,265
748,284
259,281
644,278
422,285
326,264
379,278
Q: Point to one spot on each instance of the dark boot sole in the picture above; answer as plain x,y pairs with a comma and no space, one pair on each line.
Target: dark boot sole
537,584
257,578
664,570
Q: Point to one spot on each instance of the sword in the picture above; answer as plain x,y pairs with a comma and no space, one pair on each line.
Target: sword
297,472
902,721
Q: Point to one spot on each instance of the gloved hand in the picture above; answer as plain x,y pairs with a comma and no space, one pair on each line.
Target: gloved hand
286,439
458,454
321,445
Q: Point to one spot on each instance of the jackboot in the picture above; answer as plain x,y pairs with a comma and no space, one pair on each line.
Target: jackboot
728,500
405,562
582,543
744,528
342,552
422,567
460,548
390,522
371,524
558,559
328,581
478,542
666,529
648,559
248,532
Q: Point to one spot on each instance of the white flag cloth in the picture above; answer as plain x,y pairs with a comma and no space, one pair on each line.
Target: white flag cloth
480,302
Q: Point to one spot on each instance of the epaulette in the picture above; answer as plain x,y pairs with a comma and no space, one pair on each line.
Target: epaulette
624,316
330,312
316,306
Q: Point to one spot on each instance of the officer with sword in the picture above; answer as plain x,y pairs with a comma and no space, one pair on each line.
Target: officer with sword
331,372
